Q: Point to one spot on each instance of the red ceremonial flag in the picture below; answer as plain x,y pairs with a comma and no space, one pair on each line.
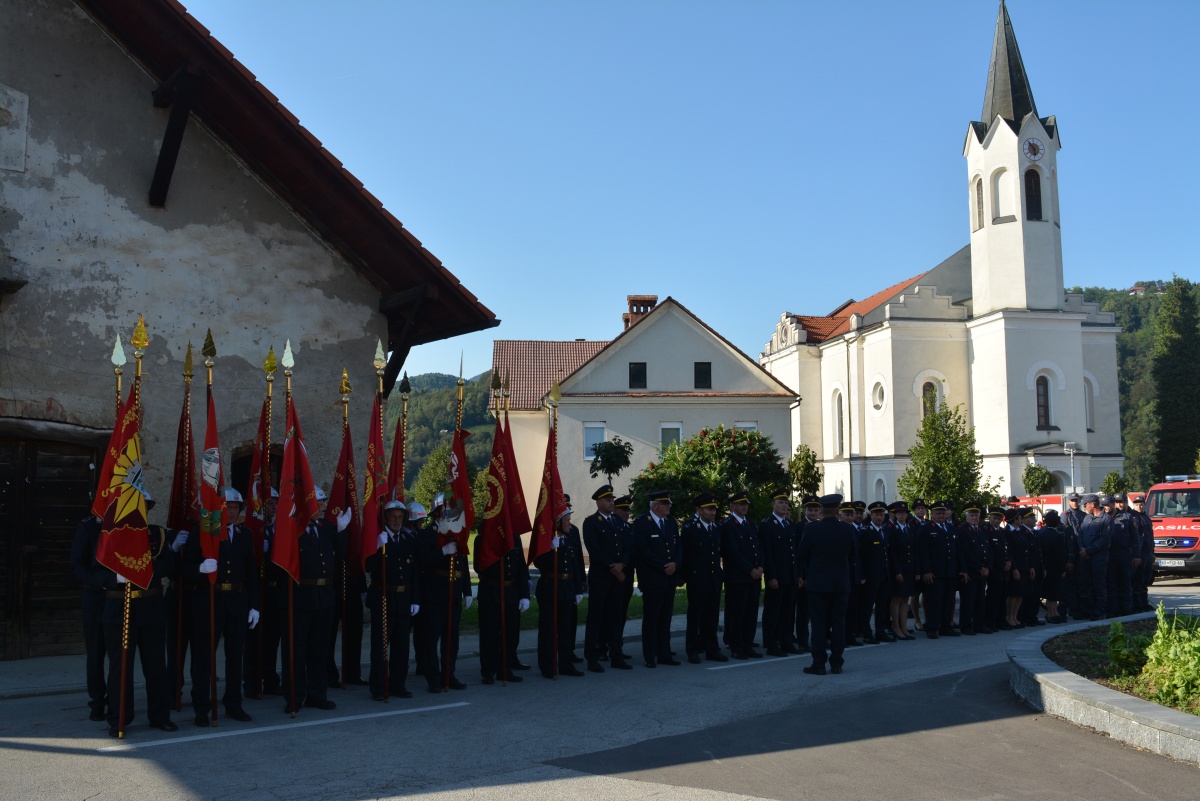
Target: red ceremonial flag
343,494
395,483
496,538
184,511
550,503
376,489
297,498
518,511
460,485
124,545
259,490
213,522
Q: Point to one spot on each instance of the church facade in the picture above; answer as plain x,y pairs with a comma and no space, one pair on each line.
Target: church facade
990,328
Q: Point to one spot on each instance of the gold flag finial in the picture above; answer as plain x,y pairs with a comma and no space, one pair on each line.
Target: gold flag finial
405,387
288,361
209,350
118,354
344,388
555,392
140,338
506,381
496,381
187,362
269,366
380,359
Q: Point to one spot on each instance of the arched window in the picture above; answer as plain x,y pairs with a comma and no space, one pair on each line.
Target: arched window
1002,195
929,398
880,490
1033,194
1089,405
978,204
1042,387
839,425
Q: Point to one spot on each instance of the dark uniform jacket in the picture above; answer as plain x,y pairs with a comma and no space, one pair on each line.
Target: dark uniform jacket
937,551
777,538
998,547
320,546
571,581
236,564
653,549
702,555
1127,537
436,566
1095,535
164,563
828,556
516,572
902,549
873,553
403,569
974,545
606,546
740,549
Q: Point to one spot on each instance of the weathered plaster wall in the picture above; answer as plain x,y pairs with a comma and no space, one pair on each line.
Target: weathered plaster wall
225,253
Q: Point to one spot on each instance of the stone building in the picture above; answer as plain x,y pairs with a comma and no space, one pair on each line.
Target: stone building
143,169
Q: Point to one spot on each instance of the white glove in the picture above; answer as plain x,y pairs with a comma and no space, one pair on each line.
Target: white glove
208,566
180,540
467,601
253,619
556,541
412,610
523,605
578,600
343,519
383,540
450,548
121,579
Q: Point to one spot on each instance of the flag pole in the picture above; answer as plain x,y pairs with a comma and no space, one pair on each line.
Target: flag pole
449,644
555,394
405,389
118,360
289,362
209,351
269,368
187,410
380,363
345,389
504,556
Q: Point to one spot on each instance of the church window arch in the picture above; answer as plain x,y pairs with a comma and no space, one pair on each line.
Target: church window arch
1089,405
1033,194
1042,392
1002,195
977,217
839,424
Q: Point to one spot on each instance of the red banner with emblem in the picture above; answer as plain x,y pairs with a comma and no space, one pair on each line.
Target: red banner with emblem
518,510
496,537
376,489
297,498
550,502
343,494
184,510
124,545
213,519
259,490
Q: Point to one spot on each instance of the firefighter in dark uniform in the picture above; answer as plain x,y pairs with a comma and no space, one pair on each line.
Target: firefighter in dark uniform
349,574
235,594
1125,555
442,605
1074,595
321,546
1143,574
828,562
1095,537
777,540
940,565
396,559
998,576
92,577
743,558
498,649
902,567
608,570
621,507
702,573
873,592
559,593
262,652
1030,601
147,634
975,551
812,513
658,555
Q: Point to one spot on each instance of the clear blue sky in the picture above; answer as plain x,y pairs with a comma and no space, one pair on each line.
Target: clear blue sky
748,158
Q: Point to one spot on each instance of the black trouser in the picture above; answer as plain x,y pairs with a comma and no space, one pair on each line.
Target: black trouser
802,618
492,642
440,612
180,630
1093,580
874,615
602,631
623,614
704,605
399,632
741,614
658,604
778,607
1141,584
853,615
971,599
997,596
312,629
147,637
1120,583
262,643
939,604
94,642
549,662
231,609
827,613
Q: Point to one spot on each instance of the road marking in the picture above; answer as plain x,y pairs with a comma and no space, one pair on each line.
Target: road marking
280,727
755,662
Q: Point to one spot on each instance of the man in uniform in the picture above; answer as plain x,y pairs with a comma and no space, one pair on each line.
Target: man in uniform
608,571
812,513
657,553
1125,555
703,575
394,594
997,580
974,545
234,596
262,652
777,540
1095,536
503,597
445,593
1143,574
92,577
828,561
743,559
559,592
846,514
939,563
873,592
621,507
1074,593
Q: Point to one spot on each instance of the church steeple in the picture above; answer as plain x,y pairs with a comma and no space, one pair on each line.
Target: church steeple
1008,93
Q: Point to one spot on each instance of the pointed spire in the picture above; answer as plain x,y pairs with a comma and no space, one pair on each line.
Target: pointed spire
1008,93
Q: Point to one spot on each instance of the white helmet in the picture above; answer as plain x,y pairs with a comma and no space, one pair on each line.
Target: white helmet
321,496
416,511
395,504
233,496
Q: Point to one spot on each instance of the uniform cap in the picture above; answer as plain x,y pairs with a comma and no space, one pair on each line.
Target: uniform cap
1106,500
1074,496
1029,512
811,500
880,505
919,502
704,500
604,492
941,505
1119,497
1091,497
1052,518
831,501
1136,497
973,506
1012,514
898,506
563,514
860,506
995,511
624,502
847,506
783,495
739,496
661,496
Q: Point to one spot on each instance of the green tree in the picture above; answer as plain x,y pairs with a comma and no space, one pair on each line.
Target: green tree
610,458
1113,483
716,460
944,462
806,475
1176,379
1037,479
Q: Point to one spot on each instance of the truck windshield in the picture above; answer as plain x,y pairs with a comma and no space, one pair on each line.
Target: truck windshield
1174,503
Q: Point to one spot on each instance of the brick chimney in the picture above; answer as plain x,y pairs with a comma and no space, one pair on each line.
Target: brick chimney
639,307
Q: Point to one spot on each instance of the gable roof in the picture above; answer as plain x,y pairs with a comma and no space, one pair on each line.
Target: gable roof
532,365
837,322
163,38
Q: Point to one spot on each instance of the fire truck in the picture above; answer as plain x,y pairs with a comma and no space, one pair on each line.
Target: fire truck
1174,510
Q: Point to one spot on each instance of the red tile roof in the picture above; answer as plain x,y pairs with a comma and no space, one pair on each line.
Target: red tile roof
822,329
534,365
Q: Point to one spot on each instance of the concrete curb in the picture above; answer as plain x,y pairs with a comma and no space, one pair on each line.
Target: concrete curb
1047,687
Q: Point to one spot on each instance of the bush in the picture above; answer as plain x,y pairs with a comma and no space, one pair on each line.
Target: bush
1173,659
1127,654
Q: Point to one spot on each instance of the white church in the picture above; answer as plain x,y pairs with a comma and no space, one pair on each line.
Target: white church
989,328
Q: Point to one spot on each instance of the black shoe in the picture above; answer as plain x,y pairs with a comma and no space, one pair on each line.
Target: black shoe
238,714
716,656
402,693
595,667
948,632
794,649
775,652
1005,626
359,682
513,678
325,704
868,640
625,656
738,655
570,670
377,697
98,715
694,659
547,674
885,636
112,732
166,725
753,654
931,634
576,659
490,680
813,670
835,671
435,688
985,630
202,720
853,642
650,663
288,709
520,666
621,664
669,661
968,632
455,684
